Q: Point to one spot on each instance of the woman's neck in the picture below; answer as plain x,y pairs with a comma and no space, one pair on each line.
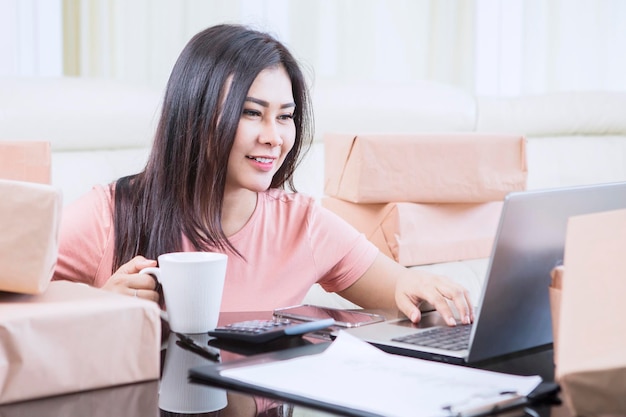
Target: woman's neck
237,209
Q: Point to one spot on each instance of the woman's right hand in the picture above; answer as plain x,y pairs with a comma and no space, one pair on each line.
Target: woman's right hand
127,280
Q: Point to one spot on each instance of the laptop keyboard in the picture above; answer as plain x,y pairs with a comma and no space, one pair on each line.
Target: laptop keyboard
449,338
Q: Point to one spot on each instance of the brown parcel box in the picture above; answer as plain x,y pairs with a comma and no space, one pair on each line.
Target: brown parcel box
74,338
25,161
418,234
30,215
424,168
554,291
591,342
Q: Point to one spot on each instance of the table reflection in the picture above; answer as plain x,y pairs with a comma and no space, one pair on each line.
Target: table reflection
179,397
176,394
137,400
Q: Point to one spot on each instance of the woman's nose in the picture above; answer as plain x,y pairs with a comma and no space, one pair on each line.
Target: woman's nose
271,134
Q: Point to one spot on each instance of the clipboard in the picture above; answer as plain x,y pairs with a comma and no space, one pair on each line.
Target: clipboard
349,402
212,374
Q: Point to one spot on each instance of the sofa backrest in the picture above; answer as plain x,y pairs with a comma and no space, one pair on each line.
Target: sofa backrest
556,114
574,138
388,107
77,114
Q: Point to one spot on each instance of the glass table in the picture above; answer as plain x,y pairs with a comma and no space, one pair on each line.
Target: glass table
175,395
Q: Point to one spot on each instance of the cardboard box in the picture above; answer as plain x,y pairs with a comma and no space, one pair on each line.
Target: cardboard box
74,338
591,359
424,168
418,234
30,215
554,293
25,161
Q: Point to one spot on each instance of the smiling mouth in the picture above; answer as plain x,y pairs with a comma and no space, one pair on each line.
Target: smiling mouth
260,159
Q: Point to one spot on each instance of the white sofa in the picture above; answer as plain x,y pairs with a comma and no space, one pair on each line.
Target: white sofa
100,130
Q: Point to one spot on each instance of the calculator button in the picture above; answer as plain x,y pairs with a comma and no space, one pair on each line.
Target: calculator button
259,331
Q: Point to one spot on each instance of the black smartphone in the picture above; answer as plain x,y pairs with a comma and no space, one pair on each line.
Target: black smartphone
343,318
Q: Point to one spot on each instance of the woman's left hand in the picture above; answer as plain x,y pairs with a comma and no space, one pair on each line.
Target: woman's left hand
127,280
416,286
387,284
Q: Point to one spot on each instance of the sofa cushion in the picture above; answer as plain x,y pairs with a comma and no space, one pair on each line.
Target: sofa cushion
419,106
561,161
78,171
77,113
555,114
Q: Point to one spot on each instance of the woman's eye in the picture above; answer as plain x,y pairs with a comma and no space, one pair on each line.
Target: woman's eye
286,116
251,113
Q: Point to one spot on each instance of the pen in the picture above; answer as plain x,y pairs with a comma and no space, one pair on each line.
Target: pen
485,404
188,343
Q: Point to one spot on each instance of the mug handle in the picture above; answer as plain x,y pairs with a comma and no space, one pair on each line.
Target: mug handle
152,270
156,272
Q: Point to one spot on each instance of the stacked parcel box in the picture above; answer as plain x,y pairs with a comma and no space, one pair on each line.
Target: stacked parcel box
424,198
59,337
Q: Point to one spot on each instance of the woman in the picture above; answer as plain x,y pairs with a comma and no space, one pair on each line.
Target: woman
234,124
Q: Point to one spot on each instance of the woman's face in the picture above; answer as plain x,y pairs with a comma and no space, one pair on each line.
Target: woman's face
265,134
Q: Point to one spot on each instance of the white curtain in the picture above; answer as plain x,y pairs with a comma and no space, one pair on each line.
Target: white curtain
31,37
139,40
536,46
500,47
574,45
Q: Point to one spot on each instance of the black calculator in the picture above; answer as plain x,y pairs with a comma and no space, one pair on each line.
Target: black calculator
260,331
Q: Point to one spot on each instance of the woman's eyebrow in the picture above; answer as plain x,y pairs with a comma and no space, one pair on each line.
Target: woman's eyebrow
266,104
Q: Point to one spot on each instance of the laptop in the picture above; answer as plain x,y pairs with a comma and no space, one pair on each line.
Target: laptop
513,311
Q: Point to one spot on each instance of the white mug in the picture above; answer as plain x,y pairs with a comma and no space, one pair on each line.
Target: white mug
176,393
193,283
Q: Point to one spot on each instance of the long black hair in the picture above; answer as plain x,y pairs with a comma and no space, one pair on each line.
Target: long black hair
181,189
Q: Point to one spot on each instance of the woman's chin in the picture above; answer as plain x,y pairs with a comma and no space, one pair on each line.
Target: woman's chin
257,185
260,187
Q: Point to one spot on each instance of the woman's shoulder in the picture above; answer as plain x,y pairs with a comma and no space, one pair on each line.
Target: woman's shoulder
97,201
100,195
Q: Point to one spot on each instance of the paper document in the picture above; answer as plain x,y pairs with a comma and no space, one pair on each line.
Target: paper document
354,374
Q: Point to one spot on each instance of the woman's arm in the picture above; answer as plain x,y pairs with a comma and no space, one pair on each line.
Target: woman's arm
387,284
